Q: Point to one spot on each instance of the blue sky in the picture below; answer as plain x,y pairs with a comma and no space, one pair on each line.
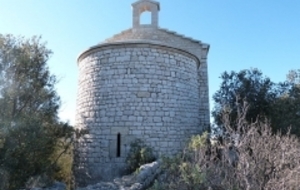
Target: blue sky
243,34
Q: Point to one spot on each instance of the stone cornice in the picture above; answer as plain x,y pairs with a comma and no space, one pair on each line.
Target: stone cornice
134,44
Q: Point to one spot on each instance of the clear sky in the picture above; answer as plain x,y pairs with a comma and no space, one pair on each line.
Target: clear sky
243,34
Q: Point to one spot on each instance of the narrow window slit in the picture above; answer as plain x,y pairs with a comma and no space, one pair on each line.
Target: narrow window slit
119,145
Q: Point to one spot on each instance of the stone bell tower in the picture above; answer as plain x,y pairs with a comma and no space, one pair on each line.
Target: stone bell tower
144,5
144,83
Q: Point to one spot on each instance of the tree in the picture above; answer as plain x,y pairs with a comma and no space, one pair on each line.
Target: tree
29,107
26,86
286,108
294,77
277,103
245,86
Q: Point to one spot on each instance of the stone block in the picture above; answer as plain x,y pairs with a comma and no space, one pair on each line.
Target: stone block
123,58
157,119
121,130
142,94
113,149
127,139
136,132
132,118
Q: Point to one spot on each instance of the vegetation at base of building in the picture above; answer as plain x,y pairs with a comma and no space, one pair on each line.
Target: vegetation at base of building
277,102
251,157
63,158
33,140
138,155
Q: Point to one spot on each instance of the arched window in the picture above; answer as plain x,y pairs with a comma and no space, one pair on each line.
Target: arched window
119,145
145,18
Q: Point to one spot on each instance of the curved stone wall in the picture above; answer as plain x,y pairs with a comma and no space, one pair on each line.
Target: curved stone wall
172,39
128,91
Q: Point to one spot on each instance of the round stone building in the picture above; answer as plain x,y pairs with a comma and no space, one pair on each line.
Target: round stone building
145,83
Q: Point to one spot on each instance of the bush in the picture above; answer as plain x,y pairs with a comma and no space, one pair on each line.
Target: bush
184,171
32,150
253,158
63,159
138,155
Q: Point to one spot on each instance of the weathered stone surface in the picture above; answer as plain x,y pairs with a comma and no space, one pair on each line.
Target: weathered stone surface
38,181
143,94
140,181
116,130
101,186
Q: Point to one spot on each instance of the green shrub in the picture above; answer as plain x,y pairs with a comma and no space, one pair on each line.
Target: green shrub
157,186
138,155
191,175
198,141
33,150
183,171
63,159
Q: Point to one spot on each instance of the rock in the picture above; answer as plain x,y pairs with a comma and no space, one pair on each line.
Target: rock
136,186
148,173
38,182
43,182
140,181
57,186
101,186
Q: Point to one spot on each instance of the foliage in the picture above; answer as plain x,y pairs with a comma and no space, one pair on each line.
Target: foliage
294,76
266,160
236,87
139,154
29,105
62,156
26,86
181,172
279,103
157,186
198,141
255,158
286,108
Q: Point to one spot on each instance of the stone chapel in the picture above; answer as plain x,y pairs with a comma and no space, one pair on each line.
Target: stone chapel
145,83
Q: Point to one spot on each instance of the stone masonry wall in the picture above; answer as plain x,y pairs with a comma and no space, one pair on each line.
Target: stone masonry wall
134,90
172,39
